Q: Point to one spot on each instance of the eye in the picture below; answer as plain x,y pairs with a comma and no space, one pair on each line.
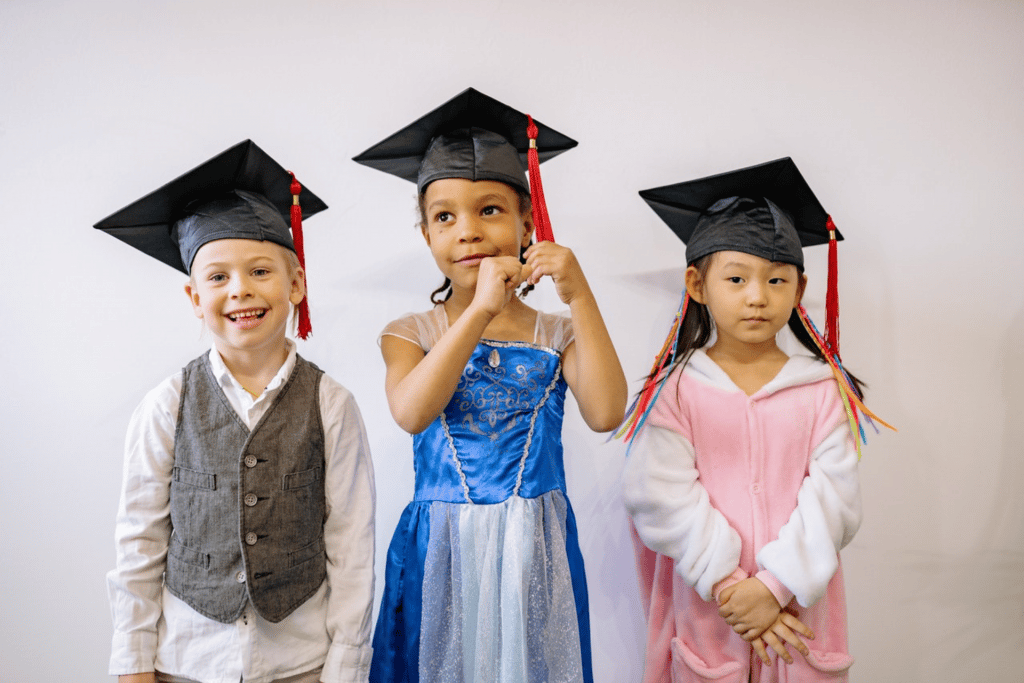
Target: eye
261,272
735,279
777,281
442,217
218,277
490,210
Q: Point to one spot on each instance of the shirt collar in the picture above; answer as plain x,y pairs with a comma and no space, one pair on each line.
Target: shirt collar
226,379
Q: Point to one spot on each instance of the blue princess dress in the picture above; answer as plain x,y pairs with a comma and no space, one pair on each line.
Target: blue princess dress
484,580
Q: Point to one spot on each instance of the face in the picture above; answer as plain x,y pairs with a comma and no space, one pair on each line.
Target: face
749,298
467,221
244,290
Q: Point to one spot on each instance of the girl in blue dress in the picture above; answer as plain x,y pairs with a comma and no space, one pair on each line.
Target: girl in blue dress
484,577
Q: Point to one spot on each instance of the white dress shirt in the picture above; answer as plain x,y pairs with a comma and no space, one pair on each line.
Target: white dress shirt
155,630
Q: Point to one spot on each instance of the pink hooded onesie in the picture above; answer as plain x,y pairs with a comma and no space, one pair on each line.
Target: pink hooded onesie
722,486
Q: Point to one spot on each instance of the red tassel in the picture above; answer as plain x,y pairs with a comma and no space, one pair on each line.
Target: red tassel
541,221
305,327
832,293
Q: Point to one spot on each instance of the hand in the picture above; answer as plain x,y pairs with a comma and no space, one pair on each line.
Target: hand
558,262
148,677
749,607
496,282
783,630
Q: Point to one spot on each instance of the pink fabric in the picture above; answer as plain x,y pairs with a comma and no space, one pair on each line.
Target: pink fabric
752,454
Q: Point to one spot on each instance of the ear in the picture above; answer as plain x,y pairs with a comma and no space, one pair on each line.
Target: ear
694,284
193,297
298,292
800,287
527,231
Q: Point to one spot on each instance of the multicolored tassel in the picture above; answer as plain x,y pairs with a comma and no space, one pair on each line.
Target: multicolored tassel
636,416
852,399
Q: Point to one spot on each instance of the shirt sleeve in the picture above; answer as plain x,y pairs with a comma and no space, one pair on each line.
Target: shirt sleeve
671,509
142,531
803,558
348,536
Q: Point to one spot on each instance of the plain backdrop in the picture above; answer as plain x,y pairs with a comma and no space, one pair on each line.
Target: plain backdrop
905,116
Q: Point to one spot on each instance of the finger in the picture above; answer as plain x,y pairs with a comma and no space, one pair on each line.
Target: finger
774,643
759,648
782,631
792,622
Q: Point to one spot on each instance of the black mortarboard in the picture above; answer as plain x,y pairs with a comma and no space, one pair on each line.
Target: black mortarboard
766,210
470,136
240,193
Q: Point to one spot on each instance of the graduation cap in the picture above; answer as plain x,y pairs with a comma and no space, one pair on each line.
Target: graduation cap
766,210
241,193
475,137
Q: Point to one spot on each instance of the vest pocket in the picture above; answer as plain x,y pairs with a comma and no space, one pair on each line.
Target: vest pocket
188,555
306,553
688,667
297,480
201,480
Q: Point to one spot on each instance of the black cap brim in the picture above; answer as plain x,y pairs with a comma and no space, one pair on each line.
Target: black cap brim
146,224
681,205
402,154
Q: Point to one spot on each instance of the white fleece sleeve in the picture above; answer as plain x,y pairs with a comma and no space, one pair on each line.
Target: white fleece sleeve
805,555
672,511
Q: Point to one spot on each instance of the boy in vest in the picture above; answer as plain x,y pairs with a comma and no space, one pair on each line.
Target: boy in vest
245,528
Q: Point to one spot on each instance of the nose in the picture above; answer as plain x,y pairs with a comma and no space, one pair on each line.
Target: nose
240,287
469,230
757,294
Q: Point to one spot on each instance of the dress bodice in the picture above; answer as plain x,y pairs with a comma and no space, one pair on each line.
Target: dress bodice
500,435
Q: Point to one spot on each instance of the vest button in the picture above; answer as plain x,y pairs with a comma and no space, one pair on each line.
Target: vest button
250,499
251,538
240,577
250,461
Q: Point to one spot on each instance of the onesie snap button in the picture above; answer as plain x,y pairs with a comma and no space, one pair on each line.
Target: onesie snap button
250,461
251,538
250,499
755,488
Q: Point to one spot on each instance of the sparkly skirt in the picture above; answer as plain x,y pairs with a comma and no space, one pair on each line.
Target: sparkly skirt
484,593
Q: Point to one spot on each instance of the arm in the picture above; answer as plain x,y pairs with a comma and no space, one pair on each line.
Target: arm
805,556
348,536
419,385
143,531
672,511
590,364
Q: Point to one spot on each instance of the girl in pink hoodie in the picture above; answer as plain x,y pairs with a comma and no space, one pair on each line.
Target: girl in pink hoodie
742,477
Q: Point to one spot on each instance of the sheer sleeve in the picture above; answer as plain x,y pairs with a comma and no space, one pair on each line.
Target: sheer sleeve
553,331
423,329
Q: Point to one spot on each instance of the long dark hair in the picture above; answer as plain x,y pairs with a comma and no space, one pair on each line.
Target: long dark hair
697,325
444,292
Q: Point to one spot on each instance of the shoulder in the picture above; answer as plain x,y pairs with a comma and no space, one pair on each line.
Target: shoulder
336,401
423,329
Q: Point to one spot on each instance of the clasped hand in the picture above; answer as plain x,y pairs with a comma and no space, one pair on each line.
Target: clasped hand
499,276
754,613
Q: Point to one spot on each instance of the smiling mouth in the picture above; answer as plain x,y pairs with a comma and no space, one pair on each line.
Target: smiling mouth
247,316
473,257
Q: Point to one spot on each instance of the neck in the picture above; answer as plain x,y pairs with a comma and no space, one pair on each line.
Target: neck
254,368
749,366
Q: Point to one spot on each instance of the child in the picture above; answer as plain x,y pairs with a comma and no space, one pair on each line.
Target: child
245,529
743,482
484,578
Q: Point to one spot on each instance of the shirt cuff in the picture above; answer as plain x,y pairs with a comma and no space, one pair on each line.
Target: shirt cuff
781,593
731,580
347,664
133,653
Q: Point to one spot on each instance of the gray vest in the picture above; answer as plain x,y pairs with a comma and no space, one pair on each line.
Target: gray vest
247,508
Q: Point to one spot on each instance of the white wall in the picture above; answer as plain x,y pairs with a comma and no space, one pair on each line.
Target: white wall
906,117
